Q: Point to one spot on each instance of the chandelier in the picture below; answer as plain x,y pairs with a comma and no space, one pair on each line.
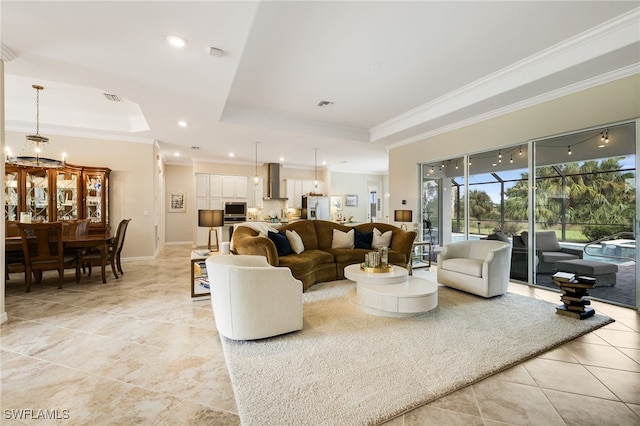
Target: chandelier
35,145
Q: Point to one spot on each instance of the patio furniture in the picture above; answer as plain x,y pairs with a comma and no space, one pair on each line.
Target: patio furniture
548,250
603,272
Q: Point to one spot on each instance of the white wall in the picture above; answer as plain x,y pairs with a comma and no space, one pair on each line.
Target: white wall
179,226
132,183
605,104
343,184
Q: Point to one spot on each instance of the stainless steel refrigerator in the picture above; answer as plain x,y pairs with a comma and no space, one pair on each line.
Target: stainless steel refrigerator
316,207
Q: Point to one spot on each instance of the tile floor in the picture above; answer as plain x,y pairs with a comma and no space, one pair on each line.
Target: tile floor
138,350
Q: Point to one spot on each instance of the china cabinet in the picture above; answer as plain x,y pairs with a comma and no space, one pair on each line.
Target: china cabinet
50,195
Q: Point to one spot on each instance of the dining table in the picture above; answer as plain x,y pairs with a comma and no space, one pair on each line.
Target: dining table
90,241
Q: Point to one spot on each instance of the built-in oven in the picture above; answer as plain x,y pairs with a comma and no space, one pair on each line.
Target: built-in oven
235,211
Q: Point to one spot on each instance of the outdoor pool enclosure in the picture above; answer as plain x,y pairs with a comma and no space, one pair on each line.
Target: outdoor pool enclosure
582,185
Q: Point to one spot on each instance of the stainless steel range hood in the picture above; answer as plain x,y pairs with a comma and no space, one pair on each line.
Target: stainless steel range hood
273,183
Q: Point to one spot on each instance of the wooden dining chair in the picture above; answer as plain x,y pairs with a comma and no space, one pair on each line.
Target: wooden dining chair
43,251
14,260
114,250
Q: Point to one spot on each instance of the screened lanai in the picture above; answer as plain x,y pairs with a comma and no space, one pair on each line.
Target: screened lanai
583,188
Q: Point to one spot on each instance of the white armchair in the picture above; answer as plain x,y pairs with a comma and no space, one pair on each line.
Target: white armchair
252,299
476,266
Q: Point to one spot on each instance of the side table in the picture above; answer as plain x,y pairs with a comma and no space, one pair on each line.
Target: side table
199,282
418,256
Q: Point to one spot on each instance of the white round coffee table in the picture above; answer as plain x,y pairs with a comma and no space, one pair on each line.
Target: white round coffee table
357,274
391,294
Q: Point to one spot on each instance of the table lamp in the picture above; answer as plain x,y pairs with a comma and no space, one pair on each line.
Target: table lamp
403,216
211,219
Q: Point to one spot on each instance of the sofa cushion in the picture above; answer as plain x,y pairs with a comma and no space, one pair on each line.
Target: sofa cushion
547,241
363,239
295,240
281,242
500,236
342,239
350,256
557,256
381,239
465,266
307,231
301,264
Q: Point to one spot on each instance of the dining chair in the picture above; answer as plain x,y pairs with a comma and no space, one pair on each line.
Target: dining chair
114,249
75,228
14,260
43,251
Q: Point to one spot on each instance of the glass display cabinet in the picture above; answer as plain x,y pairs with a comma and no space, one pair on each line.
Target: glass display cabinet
50,194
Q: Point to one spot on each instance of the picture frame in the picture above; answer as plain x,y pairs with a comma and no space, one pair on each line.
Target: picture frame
336,202
351,201
177,202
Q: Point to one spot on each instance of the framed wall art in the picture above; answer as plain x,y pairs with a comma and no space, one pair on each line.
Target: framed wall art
177,202
352,201
336,202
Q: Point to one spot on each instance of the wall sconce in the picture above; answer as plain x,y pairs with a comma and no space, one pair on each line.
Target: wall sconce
403,216
211,219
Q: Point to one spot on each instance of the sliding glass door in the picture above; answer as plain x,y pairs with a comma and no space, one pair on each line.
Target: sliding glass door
558,199
585,207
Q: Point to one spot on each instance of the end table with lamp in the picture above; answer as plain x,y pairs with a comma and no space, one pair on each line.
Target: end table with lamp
211,219
403,216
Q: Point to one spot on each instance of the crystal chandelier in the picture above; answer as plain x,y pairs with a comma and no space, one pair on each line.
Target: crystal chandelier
35,145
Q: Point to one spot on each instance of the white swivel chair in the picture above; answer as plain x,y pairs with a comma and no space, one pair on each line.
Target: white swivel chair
480,267
252,299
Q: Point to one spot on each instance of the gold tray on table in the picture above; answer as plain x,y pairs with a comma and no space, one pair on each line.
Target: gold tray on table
380,269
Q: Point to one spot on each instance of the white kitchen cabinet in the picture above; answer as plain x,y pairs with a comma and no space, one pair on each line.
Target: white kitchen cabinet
256,193
234,187
296,188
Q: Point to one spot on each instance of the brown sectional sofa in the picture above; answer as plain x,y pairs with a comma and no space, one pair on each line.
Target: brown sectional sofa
319,262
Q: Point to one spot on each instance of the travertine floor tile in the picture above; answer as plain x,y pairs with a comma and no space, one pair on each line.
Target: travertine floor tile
138,350
582,410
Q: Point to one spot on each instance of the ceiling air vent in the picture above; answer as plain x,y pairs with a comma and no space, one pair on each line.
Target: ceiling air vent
112,98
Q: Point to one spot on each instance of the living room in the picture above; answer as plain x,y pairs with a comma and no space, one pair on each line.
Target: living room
145,172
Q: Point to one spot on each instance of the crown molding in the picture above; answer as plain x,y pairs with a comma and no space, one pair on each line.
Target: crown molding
545,97
600,40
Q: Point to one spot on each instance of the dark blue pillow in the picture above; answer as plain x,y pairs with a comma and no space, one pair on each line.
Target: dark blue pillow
281,242
362,239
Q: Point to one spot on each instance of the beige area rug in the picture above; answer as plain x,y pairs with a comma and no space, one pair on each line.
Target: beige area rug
350,368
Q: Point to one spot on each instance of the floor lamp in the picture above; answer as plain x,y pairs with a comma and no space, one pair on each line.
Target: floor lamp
211,219
403,216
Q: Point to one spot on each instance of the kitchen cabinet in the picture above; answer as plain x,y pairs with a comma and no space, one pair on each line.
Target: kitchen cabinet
256,193
208,192
234,187
50,195
296,188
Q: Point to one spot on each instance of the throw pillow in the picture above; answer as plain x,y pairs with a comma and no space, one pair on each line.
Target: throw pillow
295,240
500,236
342,239
281,242
363,239
380,239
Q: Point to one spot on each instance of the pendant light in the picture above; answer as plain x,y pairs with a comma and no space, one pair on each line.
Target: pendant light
35,145
256,179
315,160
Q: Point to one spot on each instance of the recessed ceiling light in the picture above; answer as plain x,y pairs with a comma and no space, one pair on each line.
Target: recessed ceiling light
176,40
281,159
324,163
231,154
176,154
182,123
